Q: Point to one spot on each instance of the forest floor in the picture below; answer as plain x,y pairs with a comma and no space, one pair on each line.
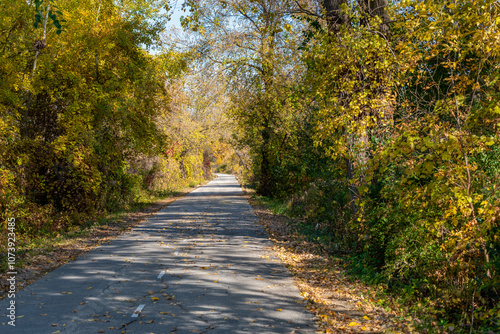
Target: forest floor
342,304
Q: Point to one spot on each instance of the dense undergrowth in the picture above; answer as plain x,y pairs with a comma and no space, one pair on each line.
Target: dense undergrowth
39,230
418,295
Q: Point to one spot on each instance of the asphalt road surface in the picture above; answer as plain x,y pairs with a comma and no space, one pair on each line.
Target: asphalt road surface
200,265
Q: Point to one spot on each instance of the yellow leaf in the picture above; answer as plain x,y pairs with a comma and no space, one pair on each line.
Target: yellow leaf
352,324
366,317
155,298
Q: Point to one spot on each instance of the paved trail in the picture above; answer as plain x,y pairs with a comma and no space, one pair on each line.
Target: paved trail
199,265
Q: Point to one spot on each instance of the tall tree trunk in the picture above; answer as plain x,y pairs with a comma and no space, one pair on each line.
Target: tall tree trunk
268,46
334,16
96,52
377,8
357,141
265,179
40,45
335,20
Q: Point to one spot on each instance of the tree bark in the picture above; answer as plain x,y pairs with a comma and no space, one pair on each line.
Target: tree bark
268,46
40,45
357,143
334,16
265,178
377,8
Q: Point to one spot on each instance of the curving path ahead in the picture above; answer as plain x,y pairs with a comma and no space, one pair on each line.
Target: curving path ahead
199,265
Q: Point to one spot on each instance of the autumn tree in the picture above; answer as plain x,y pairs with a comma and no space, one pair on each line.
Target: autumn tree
402,99
351,67
253,44
79,96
